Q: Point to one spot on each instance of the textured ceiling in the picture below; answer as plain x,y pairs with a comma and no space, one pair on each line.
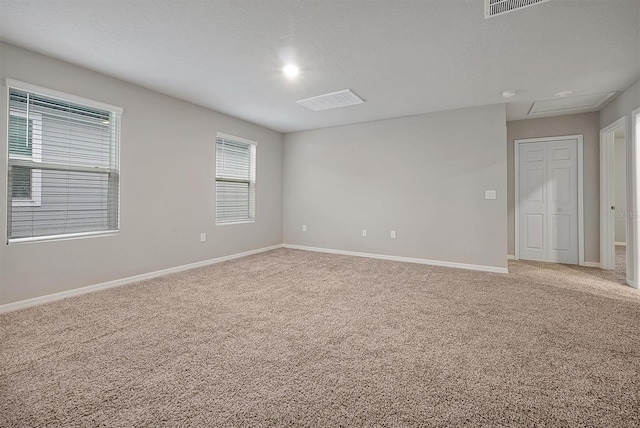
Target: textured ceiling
403,57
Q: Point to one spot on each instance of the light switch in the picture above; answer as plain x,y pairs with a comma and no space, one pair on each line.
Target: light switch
489,194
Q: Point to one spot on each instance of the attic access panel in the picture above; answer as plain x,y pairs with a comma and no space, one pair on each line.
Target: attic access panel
570,104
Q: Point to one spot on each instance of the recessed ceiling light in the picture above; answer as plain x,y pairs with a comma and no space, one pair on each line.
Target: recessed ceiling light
564,93
290,70
508,93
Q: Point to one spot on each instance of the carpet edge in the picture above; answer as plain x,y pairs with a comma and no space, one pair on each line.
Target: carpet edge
40,300
456,265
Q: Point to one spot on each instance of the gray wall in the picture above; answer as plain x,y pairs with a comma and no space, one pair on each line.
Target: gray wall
586,124
423,176
167,181
621,188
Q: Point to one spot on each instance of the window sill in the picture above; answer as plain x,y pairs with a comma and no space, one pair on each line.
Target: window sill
234,222
62,237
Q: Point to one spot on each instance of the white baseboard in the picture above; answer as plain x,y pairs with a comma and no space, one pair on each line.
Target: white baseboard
22,304
622,244
401,259
591,264
511,257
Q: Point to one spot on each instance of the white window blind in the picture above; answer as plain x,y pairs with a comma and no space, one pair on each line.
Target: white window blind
63,166
235,180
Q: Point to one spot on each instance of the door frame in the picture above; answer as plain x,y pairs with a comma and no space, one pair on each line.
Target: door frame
633,261
516,152
607,193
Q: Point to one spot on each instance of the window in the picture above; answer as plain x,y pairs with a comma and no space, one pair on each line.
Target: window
63,165
235,180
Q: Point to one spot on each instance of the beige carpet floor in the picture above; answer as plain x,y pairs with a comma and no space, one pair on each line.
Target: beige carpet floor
293,338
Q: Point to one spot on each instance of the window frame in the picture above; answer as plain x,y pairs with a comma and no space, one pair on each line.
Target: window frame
37,157
240,140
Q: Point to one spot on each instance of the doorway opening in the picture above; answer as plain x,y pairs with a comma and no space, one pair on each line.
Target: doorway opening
616,248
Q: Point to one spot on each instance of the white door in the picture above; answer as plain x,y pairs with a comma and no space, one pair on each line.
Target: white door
533,201
548,191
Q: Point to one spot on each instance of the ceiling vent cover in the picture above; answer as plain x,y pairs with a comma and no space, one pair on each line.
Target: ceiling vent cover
333,100
499,7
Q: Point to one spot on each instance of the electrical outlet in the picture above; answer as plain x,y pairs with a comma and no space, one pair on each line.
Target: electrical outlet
203,237
364,232
489,194
304,227
393,234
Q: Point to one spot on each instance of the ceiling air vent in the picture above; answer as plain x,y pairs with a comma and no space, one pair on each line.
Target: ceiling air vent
499,7
332,100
